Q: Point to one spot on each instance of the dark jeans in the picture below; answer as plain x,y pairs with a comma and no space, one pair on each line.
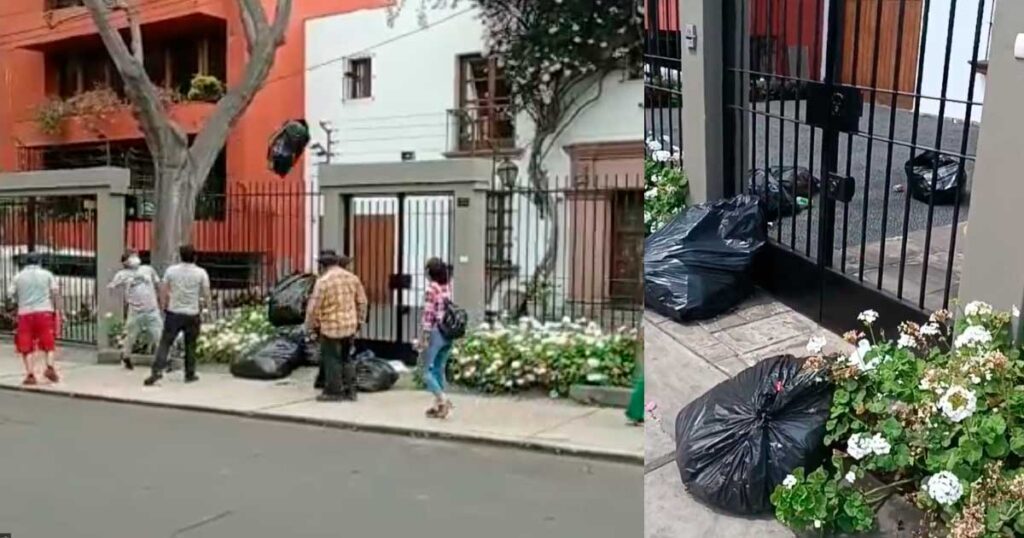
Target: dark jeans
175,324
339,370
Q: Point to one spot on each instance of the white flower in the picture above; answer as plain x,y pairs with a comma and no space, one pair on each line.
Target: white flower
1015,311
868,317
850,477
593,363
879,445
906,341
931,329
958,403
856,359
816,344
596,378
817,523
944,488
975,335
975,379
662,155
858,446
516,365
789,481
977,308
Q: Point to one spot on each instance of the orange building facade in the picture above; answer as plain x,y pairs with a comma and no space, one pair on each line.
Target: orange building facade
50,52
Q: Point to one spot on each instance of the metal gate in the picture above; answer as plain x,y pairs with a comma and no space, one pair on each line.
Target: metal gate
856,123
62,231
390,238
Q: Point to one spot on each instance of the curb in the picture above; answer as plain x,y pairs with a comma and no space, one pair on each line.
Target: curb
533,446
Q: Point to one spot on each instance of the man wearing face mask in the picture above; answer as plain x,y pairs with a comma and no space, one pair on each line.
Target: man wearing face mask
139,284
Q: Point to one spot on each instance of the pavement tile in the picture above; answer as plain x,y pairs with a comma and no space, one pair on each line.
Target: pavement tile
653,317
601,428
670,512
699,340
761,334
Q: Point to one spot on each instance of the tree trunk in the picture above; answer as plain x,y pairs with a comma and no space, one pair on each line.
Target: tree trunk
178,182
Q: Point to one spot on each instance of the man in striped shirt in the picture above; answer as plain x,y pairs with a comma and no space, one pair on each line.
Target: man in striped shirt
336,311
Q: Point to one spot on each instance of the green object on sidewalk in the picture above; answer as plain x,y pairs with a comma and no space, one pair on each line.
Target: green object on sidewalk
802,202
635,411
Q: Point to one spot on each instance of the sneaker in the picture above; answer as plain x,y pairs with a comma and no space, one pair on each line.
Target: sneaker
329,398
151,380
350,396
51,374
127,362
30,379
191,378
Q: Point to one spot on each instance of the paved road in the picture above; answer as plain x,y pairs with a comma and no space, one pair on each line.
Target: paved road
91,469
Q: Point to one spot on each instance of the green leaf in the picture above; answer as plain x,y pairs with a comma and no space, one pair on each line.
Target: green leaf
892,429
1018,524
841,397
1017,442
998,448
970,450
993,520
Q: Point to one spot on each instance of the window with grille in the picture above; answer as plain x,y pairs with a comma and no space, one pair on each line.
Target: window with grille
360,78
485,120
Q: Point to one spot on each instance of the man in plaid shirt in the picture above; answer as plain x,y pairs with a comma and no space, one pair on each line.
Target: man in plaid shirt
336,311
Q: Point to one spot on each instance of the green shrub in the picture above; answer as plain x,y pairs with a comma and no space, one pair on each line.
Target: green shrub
529,355
665,192
205,88
234,335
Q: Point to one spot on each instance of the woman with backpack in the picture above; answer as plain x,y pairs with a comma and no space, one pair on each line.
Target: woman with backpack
435,344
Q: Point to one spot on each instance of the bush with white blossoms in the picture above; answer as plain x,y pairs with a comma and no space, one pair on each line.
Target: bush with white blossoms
529,355
223,340
936,414
665,191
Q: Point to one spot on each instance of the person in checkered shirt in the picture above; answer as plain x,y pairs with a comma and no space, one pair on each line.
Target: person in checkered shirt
336,311
436,348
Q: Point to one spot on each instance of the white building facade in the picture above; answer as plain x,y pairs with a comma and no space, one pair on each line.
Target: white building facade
421,91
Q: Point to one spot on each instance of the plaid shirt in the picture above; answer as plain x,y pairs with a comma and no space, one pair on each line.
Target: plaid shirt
338,304
434,303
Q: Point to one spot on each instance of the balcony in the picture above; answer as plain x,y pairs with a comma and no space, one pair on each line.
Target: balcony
118,124
64,24
481,130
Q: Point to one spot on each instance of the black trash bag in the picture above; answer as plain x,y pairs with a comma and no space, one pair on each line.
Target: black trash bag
275,359
797,179
373,374
287,146
949,182
779,187
288,300
699,265
739,440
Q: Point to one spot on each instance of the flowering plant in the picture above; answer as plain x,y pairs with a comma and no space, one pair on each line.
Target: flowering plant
821,503
223,340
938,414
530,355
665,190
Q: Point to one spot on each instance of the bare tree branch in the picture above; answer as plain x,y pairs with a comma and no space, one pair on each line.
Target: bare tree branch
152,116
254,21
210,140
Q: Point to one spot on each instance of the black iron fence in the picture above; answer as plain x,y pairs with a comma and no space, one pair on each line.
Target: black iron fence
663,77
61,230
572,247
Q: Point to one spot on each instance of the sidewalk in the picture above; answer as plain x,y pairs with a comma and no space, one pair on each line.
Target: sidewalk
683,361
559,426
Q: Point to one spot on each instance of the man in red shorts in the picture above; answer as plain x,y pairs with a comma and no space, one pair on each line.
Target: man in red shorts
35,289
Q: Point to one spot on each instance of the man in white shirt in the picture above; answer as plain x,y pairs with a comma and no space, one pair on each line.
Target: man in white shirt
139,284
36,291
182,291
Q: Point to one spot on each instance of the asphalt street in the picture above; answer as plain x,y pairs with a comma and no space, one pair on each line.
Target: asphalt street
84,469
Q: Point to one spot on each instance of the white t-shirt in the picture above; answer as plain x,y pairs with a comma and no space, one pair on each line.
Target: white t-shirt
139,285
33,287
188,283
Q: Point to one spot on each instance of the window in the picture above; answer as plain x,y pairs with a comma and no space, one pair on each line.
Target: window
78,73
360,78
60,4
484,118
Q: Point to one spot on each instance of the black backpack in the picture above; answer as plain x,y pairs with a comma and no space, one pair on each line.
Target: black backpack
453,323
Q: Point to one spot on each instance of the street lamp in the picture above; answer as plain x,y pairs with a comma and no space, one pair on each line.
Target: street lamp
508,172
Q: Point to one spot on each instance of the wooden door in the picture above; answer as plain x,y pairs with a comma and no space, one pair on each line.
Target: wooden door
373,254
893,41
627,250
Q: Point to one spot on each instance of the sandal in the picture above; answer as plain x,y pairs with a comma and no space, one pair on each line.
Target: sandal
445,409
432,411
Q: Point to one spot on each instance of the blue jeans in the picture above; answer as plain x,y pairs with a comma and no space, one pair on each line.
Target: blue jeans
435,362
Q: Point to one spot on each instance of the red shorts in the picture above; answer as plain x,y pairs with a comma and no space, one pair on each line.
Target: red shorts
36,331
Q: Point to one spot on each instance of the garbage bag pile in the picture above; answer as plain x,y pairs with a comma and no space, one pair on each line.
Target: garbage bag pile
739,440
699,265
287,146
950,178
292,347
783,190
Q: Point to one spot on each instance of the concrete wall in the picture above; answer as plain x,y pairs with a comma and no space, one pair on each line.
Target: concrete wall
993,257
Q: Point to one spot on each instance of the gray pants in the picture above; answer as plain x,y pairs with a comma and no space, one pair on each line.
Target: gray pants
148,324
